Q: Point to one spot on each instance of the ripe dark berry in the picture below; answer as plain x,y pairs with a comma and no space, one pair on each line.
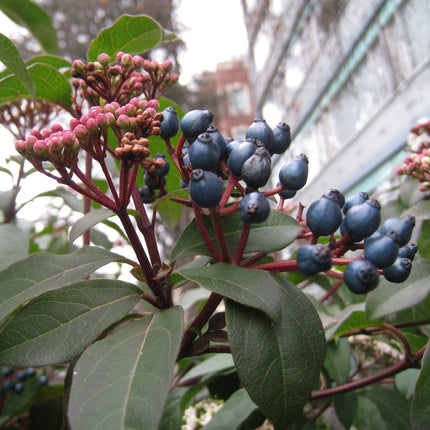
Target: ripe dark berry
205,188
408,251
294,174
356,199
18,388
286,194
21,375
403,226
195,122
239,155
382,248
260,130
281,138
324,216
232,145
153,181
7,371
146,194
170,124
257,168
164,170
361,276
254,208
313,259
399,271
43,380
204,153
337,196
217,138
30,372
364,219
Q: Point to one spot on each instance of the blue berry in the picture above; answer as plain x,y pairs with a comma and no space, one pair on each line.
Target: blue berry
408,251
217,138
30,372
286,194
257,168
382,248
21,375
43,380
364,219
254,208
239,155
260,130
337,196
205,188
18,388
313,259
281,138
7,371
153,181
324,216
356,199
399,271
361,276
195,122
146,194
170,124
294,174
163,171
403,226
232,145
204,153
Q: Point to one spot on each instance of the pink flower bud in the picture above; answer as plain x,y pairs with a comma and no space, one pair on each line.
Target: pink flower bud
119,56
81,132
41,149
130,109
46,133
78,68
127,60
151,111
55,145
153,103
73,123
92,125
154,65
20,147
94,111
166,65
103,59
147,65
36,133
174,77
123,121
56,128
143,104
137,61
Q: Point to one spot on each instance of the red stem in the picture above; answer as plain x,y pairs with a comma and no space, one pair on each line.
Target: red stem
332,290
242,243
278,266
220,236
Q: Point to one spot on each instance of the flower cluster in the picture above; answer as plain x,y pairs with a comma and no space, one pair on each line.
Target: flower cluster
417,164
131,76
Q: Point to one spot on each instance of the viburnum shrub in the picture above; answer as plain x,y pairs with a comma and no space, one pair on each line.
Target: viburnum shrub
278,325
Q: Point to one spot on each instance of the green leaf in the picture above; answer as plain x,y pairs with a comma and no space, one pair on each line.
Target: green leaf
254,288
10,57
421,210
130,34
122,382
13,245
28,14
406,382
278,364
423,241
56,326
420,410
44,272
88,221
392,406
274,234
368,416
214,364
389,298
69,198
346,408
50,84
233,413
172,415
338,360
352,317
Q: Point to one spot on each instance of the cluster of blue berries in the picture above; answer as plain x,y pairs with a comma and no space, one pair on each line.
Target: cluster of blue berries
386,248
13,380
208,159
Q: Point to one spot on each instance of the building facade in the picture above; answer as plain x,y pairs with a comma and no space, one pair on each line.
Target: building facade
351,77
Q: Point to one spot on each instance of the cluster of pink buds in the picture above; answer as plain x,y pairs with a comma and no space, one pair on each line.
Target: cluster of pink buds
131,76
417,165
56,145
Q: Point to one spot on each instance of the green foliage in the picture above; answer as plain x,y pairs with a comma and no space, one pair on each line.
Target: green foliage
131,356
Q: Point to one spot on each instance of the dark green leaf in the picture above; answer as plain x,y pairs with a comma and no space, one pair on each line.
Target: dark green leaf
88,221
13,245
172,415
50,84
346,408
421,210
368,416
130,34
122,382
278,231
28,14
68,197
406,382
214,364
10,57
44,272
420,411
254,288
234,411
389,298
392,406
338,360
56,326
278,364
